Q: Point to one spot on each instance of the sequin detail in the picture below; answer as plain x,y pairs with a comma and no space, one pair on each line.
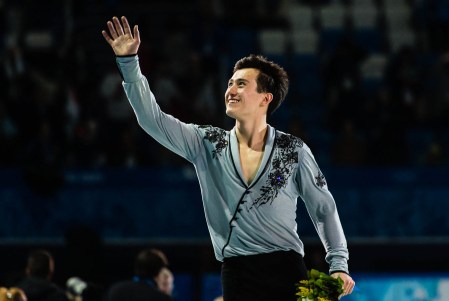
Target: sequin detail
217,137
282,168
320,180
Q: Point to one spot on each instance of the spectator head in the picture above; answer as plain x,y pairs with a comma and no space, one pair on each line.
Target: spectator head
165,280
149,263
40,264
272,78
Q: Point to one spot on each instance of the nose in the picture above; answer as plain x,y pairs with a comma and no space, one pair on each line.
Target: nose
232,90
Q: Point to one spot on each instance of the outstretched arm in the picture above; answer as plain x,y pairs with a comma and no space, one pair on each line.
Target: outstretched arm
122,40
181,138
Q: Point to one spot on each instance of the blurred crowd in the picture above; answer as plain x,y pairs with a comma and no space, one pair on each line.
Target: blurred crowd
62,104
151,280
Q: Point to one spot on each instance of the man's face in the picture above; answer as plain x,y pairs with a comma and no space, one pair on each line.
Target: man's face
241,97
165,280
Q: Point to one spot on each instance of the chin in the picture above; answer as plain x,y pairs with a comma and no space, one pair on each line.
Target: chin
230,114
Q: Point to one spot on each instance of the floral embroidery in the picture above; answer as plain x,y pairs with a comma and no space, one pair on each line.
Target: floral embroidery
217,137
320,180
282,163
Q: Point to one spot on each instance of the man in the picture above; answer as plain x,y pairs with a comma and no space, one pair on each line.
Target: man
250,177
38,285
148,266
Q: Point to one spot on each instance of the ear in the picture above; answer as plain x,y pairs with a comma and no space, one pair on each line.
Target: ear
267,99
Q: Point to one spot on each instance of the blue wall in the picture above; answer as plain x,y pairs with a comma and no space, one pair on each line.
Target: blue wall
373,287
165,203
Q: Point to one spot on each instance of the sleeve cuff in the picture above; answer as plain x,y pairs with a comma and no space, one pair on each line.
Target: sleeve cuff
339,271
129,68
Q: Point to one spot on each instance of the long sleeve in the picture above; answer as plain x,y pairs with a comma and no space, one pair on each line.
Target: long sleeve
322,209
179,137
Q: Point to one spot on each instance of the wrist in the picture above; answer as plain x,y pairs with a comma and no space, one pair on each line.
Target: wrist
339,271
125,55
129,68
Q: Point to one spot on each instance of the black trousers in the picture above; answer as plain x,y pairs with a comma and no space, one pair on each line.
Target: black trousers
270,277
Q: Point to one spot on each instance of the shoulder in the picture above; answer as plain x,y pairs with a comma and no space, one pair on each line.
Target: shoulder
122,284
127,285
286,140
295,146
212,133
132,288
43,288
216,138
57,295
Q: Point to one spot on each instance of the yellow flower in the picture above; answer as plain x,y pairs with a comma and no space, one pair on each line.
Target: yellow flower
303,292
323,299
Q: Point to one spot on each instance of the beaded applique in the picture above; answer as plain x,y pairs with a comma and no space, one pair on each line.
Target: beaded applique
217,137
320,180
286,156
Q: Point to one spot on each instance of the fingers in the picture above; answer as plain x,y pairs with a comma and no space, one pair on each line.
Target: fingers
118,26
136,33
112,31
120,37
126,26
348,287
106,37
348,283
116,29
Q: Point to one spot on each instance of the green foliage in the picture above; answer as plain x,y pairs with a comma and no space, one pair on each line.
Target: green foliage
319,287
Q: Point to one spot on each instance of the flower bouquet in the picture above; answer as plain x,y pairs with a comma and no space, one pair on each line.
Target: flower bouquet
319,287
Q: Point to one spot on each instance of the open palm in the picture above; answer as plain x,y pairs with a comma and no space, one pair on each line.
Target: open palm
121,39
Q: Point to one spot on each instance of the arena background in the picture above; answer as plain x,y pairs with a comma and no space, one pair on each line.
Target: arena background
369,94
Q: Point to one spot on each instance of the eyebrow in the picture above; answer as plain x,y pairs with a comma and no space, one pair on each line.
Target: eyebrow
239,79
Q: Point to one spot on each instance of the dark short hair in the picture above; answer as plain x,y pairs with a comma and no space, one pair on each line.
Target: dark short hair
149,263
272,78
38,264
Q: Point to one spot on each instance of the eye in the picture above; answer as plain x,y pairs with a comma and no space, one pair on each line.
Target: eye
241,84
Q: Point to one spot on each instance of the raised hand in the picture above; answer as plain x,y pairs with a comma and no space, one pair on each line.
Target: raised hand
121,39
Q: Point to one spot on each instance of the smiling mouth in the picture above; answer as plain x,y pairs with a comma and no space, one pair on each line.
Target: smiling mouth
233,101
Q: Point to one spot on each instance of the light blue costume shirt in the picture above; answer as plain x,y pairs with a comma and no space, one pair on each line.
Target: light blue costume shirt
244,219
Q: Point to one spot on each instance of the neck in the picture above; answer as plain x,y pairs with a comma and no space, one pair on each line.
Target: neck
252,134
